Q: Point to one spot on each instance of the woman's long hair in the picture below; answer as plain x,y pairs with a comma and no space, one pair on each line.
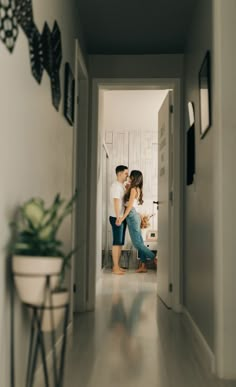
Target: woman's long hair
136,181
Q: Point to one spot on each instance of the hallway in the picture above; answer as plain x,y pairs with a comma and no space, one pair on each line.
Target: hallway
132,340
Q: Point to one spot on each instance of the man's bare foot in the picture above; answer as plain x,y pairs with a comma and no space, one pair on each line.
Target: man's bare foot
117,271
142,268
122,269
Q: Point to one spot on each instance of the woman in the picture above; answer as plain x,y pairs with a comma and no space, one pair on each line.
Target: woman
132,198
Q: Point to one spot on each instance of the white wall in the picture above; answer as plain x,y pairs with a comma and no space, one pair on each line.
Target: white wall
198,291
210,210
132,110
225,186
99,186
36,156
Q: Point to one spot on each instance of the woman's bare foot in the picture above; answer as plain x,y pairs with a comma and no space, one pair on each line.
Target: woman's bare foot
121,269
142,268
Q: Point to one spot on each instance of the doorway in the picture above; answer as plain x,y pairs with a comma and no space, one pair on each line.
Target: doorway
99,87
129,128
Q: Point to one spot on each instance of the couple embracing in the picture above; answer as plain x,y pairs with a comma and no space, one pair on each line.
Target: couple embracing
125,195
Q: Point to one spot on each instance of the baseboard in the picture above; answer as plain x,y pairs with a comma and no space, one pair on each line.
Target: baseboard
39,376
178,308
200,341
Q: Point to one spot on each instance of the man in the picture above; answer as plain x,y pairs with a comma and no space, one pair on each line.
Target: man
116,212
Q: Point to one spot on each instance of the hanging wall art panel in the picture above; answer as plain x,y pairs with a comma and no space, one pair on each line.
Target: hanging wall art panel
36,54
45,49
69,94
24,15
8,24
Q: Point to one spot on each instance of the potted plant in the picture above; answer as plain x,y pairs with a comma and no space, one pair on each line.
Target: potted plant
37,253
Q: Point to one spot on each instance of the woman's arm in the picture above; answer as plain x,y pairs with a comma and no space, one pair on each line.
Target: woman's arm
133,194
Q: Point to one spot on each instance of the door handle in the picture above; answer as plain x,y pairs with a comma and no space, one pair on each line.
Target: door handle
157,203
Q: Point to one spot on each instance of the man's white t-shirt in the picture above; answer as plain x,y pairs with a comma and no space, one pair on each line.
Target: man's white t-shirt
117,191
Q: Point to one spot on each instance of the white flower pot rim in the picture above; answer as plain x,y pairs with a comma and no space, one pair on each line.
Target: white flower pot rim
35,265
48,274
37,256
43,307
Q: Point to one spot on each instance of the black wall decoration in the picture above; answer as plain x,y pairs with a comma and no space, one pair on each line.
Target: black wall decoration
56,89
56,45
69,94
191,145
52,56
45,49
8,24
24,15
36,53
25,18
56,60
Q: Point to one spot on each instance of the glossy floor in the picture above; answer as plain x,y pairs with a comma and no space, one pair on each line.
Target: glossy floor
132,340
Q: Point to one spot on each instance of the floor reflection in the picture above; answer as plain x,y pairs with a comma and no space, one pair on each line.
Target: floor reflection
121,357
123,325
132,340
115,346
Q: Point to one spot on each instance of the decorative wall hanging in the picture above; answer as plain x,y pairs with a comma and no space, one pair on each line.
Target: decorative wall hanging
36,54
8,24
69,94
52,56
47,49
56,60
56,89
191,145
56,45
24,15
205,95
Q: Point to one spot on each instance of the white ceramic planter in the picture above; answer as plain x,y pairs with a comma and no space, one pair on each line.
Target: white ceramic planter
59,301
30,276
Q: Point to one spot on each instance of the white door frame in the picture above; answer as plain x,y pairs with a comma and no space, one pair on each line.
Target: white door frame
165,273
138,84
80,160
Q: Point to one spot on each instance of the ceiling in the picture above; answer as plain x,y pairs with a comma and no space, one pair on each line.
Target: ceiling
135,26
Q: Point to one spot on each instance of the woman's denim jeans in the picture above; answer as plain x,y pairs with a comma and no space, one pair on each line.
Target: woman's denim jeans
133,222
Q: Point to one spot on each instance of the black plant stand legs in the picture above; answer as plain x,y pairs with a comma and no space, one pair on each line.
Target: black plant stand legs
37,344
37,340
63,349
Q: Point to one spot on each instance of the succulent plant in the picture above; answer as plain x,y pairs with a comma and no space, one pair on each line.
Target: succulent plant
36,227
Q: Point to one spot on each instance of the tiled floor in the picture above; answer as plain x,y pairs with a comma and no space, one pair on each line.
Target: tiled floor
132,340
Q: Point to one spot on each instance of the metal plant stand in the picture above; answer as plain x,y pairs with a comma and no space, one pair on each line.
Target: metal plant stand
37,341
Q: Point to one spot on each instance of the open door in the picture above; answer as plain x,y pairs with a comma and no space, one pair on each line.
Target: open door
165,199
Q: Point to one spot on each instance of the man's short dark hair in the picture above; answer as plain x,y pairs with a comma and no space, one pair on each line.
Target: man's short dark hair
120,168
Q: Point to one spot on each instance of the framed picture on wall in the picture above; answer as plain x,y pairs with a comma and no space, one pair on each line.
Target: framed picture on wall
205,95
69,98
191,145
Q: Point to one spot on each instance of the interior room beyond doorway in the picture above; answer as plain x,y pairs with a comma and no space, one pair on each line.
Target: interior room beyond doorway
128,123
